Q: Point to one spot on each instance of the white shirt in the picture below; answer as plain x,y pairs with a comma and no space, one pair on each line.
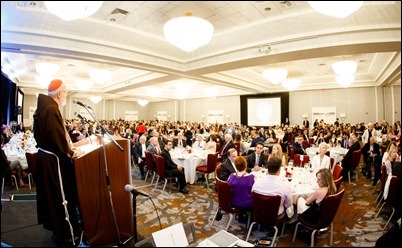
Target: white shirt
199,144
317,163
143,147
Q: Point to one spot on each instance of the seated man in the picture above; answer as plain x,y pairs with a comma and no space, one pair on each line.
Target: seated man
272,184
256,160
228,167
297,146
371,152
172,169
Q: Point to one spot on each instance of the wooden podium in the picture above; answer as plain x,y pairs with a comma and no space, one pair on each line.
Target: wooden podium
95,188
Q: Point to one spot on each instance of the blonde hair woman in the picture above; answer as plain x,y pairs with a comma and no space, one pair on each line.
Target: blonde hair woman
277,153
321,160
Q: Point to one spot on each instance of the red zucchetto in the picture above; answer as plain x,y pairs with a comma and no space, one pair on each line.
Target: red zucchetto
55,84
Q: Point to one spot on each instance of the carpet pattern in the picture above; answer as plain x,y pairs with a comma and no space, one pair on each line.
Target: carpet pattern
354,225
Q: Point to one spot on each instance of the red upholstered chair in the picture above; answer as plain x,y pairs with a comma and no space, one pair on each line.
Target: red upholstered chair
356,155
32,165
299,162
237,147
224,201
291,153
337,172
218,147
306,144
151,167
311,141
208,168
338,183
383,179
160,165
328,209
331,163
266,216
391,199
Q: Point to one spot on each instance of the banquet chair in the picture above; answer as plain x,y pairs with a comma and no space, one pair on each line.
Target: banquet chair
160,174
311,141
218,146
31,160
331,163
354,166
208,168
383,179
291,153
337,172
14,179
338,183
391,199
328,209
237,147
305,144
224,201
151,167
299,162
266,216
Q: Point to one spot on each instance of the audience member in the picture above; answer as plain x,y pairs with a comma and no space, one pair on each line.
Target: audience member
241,183
11,166
354,145
257,159
228,166
297,146
223,153
199,143
272,184
321,160
139,155
277,152
172,169
371,152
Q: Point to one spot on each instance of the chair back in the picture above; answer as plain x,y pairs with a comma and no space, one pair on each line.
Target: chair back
337,183
291,153
217,170
356,155
392,192
305,144
261,213
311,141
298,161
328,209
32,162
384,176
337,172
212,160
331,162
383,149
150,161
218,147
237,147
225,196
160,165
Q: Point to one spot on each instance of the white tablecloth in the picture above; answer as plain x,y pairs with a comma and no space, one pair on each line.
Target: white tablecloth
189,161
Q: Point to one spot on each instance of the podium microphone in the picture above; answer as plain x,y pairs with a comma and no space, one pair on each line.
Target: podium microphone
83,119
81,104
130,188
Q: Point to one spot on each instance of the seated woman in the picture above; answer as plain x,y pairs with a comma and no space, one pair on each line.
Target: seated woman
321,160
211,144
241,183
12,165
277,152
391,158
310,207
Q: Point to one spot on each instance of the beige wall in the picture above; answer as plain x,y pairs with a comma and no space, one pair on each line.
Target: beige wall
368,104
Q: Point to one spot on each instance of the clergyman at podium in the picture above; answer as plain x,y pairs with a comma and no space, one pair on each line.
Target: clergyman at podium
56,183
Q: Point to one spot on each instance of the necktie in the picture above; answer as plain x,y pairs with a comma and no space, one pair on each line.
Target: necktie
223,149
257,159
158,149
199,144
180,145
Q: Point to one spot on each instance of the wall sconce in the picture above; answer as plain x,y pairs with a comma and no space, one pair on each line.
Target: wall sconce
305,115
343,115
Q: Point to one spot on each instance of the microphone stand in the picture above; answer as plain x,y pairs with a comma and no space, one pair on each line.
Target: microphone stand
107,173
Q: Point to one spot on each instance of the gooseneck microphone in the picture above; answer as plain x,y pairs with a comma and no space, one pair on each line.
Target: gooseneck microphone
81,104
130,188
83,119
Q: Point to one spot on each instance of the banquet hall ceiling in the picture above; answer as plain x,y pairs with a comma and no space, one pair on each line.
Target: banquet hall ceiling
126,37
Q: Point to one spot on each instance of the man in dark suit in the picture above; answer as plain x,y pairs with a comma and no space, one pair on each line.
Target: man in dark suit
172,169
180,141
372,156
297,146
306,123
256,160
223,153
139,155
257,138
228,166
354,145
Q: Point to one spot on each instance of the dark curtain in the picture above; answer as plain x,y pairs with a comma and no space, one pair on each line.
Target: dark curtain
7,100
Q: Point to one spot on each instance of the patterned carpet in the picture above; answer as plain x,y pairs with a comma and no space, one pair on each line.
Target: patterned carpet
354,225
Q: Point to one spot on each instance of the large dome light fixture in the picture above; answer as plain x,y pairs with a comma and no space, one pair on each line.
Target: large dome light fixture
275,75
188,32
100,76
73,10
46,68
344,67
291,84
336,8
142,102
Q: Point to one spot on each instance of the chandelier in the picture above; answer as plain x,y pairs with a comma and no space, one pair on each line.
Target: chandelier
188,32
291,84
95,99
84,85
345,72
73,10
46,68
275,75
100,76
142,102
336,8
